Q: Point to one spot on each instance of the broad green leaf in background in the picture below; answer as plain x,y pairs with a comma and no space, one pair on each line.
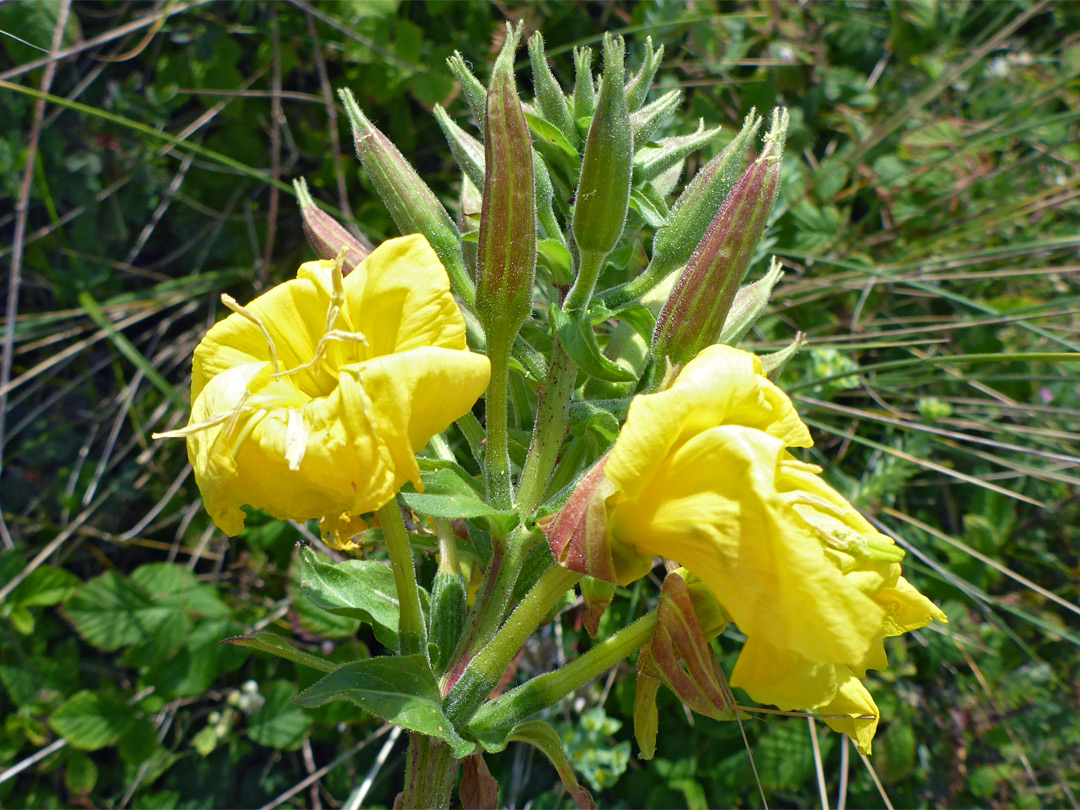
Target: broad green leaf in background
92,720
279,722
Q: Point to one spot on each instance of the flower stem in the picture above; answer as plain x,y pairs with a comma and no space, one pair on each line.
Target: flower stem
412,634
551,421
588,271
487,668
508,710
496,454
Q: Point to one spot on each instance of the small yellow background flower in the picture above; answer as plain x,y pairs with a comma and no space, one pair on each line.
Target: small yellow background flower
311,401
703,475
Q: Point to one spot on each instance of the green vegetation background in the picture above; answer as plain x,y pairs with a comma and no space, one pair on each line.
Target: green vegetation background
929,223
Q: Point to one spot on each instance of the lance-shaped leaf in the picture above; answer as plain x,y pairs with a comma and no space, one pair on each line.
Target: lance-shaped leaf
411,203
578,535
359,589
549,96
750,301
539,734
653,161
399,689
267,642
603,192
694,315
584,86
638,87
646,121
326,235
506,253
679,656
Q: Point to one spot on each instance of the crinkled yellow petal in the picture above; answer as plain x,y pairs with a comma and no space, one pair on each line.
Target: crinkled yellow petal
721,386
783,678
853,699
713,507
906,609
400,298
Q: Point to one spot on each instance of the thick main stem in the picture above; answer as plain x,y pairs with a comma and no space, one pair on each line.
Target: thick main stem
412,635
430,770
552,417
487,668
496,454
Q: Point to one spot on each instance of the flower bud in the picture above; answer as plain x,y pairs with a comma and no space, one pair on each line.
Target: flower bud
603,192
506,251
413,206
584,88
638,87
467,151
471,88
654,161
646,121
549,96
694,315
750,302
325,234
690,216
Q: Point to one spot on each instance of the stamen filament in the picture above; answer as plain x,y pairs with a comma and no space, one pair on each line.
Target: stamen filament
244,312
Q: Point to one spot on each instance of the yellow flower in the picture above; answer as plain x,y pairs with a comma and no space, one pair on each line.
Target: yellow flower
311,401
702,474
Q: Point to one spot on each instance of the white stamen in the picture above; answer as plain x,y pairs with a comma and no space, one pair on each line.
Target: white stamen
244,312
320,350
296,438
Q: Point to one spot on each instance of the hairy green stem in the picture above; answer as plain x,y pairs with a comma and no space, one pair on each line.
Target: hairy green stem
552,417
588,271
430,771
496,455
487,668
508,710
412,634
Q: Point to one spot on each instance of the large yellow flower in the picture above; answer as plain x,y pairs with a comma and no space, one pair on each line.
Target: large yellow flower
702,474
311,401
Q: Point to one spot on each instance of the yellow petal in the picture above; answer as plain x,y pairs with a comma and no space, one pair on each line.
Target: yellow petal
862,714
721,386
713,507
400,298
906,609
783,678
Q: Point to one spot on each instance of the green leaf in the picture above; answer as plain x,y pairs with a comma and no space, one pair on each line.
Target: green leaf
80,773
650,212
111,612
89,720
279,722
267,642
551,143
47,585
556,256
579,339
448,494
539,734
359,589
398,689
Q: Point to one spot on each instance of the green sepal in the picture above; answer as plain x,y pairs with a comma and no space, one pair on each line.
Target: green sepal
579,340
399,689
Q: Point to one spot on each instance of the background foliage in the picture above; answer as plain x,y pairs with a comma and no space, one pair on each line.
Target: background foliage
929,223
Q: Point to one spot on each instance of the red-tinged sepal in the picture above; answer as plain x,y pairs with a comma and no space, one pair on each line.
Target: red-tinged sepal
578,535
679,657
597,595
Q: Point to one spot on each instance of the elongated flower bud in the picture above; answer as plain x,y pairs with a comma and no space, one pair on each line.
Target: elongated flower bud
603,193
652,162
473,90
325,234
694,315
638,87
549,96
584,88
413,206
691,215
506,253
467,151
